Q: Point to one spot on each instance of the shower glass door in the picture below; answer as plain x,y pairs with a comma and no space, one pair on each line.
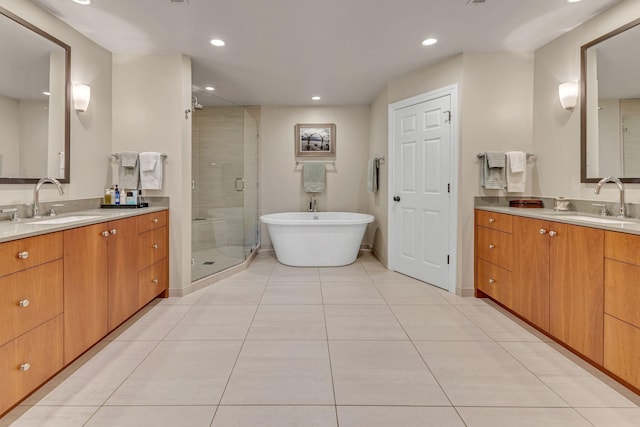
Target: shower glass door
224,186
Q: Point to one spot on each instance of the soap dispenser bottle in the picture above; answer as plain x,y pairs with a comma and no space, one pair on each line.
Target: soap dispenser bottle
117,195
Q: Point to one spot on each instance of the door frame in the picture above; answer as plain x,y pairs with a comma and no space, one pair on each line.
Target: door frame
452,91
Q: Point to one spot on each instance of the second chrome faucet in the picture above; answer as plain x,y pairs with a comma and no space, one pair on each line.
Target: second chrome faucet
620,185
36,193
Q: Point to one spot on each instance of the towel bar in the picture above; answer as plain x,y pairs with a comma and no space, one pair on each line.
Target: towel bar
117,155
481,155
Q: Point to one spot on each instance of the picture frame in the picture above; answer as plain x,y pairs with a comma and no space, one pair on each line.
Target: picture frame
315,140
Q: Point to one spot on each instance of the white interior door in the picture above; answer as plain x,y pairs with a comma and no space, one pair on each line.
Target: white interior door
421,183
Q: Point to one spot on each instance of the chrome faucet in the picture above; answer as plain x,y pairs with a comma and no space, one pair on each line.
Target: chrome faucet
36,193
620,187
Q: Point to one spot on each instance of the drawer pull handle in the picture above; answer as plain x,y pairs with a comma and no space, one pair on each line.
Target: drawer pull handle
542,231
491,246
154,246
105,233
25,367
491,281
24,303
114,231
155,280
155,220
492,220
552,233
23,255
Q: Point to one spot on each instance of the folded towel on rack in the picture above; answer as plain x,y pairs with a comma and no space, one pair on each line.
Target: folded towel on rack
128,170
313,177
516,171
151,170
372,175
493,170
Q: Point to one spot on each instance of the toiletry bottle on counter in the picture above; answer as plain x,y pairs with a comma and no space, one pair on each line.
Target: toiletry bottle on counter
130,200
117,195
108,199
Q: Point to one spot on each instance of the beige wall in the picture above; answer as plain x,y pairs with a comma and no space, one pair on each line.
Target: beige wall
90,131
280,180
556,132
150,95
495,92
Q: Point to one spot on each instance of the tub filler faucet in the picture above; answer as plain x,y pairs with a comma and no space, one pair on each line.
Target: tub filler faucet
313,204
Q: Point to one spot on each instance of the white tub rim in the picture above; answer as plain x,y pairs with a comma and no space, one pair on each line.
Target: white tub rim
281,218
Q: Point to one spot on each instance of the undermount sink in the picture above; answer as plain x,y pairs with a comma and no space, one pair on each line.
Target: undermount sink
597,220
65,219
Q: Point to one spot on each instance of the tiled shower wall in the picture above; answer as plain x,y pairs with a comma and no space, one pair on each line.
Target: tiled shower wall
218,151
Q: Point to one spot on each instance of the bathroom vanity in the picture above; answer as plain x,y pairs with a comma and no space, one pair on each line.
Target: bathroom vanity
571,276
66,285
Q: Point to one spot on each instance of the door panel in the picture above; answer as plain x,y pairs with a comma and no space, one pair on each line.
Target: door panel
421,147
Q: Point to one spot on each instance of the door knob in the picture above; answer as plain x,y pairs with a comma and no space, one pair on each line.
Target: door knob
396,198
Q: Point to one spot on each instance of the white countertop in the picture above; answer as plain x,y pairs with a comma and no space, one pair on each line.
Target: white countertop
623,225
10,230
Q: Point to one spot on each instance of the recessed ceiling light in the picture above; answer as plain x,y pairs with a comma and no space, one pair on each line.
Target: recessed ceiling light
429,42
218,42
210,88
573,1
46,93
316,98
82,2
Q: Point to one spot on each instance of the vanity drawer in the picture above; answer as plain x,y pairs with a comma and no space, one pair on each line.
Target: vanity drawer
622,291
495,246
153,220
494,221
494,281
30,360
29,298
21,254
622,247
152,281
152,247
621,349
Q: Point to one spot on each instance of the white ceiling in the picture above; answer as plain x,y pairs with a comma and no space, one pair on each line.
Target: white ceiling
282,52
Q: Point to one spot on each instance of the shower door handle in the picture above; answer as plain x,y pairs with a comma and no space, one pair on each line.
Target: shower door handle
239,184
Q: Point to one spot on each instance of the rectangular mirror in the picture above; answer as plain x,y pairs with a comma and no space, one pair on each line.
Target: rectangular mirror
610,106
34,103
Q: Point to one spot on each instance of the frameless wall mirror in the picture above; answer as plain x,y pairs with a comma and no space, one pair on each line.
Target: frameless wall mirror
610,106
34,103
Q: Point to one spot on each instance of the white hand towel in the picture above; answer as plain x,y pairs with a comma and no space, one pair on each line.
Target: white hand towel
494,170
517,161
516,171
151,177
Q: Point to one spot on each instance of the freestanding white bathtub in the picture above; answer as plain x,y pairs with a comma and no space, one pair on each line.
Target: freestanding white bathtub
322,239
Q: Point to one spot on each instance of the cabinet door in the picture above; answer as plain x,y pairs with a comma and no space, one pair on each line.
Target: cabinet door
85,288
531,270
577,288
122,271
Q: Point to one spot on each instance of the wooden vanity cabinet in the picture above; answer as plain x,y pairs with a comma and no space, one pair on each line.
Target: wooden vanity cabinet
30,315
101,285
556,277
622,302
576,291
153,256
493,256
531,270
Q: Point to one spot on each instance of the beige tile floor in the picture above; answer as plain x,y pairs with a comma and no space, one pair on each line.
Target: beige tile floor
356,346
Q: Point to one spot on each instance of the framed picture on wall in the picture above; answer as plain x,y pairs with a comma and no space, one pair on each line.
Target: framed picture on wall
315,140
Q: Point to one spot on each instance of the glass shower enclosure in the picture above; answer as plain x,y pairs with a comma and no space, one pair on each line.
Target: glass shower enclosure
224,212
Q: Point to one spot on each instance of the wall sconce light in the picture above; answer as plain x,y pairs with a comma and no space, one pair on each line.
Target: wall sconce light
568,93
81,97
